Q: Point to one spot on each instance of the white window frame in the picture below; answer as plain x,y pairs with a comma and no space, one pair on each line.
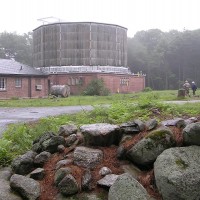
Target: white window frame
2,83
18,82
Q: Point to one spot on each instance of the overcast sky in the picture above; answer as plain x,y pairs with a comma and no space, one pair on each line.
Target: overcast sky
21,16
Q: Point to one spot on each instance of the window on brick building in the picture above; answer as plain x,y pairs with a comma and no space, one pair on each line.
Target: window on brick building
18,82
38,84
73,81
38,81
69,81
124,81
77,81
2,83
81,80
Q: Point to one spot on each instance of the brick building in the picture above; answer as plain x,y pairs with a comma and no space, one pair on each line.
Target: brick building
21,81
75,53
116,79
72,54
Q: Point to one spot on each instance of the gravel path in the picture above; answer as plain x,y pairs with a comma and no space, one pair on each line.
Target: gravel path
182,102
16,115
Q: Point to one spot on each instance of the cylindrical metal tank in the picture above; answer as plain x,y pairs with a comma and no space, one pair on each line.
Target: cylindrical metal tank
79,43
60,90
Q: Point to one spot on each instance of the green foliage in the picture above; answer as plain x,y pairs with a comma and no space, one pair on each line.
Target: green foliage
157,135
147,89
70,101
96,87
168,58
16,46
116,109
147,101
6,155
121,111
20,138
166,95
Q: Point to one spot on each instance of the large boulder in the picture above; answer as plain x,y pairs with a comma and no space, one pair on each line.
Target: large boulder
37,174
41,158
70,140
37,143
28,188
43,137
191,134
151,124
108,180
87,157
101,134
86,181
68,185
146,150
5,173
126,187
132,127
177,173
24,164
63,163
60,174
67,130
5,191
178,122
51,145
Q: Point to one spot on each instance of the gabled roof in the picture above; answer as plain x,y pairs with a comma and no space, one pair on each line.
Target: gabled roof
12,67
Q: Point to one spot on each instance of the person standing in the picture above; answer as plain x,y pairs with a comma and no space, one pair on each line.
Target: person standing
187,87
194,87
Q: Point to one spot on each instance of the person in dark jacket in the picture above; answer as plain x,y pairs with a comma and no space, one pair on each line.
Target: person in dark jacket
194,87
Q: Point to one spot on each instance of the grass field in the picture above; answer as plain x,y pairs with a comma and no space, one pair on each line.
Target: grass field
91,100
123,108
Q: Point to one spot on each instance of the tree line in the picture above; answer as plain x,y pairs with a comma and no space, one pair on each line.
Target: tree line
17,47
167,58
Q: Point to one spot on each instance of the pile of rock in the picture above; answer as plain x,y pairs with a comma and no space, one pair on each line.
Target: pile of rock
176,169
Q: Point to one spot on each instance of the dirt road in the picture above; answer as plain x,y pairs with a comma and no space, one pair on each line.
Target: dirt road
16,115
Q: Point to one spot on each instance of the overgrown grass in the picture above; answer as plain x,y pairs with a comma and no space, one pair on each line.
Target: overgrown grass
166,95
70,101
18,138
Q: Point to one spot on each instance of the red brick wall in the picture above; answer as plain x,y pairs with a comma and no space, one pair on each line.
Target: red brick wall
122,83
39,93
23,92
112,81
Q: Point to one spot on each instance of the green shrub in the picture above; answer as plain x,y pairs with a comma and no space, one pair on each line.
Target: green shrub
97,87
147,89
6,155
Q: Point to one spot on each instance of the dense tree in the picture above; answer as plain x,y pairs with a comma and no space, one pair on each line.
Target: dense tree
168,58
18,47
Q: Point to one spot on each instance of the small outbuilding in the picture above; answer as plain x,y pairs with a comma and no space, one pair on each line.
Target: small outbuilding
21,81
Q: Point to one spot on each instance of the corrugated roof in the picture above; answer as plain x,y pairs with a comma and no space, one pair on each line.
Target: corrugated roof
81,23
10,67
